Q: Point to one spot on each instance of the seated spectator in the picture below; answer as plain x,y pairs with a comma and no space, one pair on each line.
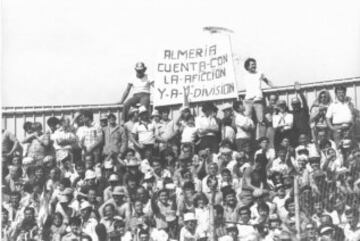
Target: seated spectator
141,90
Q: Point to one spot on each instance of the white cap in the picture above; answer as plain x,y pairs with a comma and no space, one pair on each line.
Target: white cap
119,190
90,174
133,109
108,164
155,112
68,191
189,217
28,161
142,109
113,178
84,205
227,106
170,186
103,116
48,159
148,175
225,150
64,198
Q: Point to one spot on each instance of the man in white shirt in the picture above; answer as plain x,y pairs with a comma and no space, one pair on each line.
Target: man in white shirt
144,133
339,115
352,228
254,96
244,126
141,89
208,128
90,136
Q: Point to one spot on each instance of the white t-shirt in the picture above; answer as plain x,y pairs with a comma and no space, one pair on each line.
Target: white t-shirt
279,166
203,122
146,135
229,133
243,121
283,119
339,112
252,82
189,134
141,85
185,235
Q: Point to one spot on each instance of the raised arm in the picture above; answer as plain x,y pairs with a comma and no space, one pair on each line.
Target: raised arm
126,93
267,81
304,101
298,90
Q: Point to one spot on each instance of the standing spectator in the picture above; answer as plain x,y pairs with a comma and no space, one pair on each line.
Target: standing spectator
253,94
144,132
64,140
283,123
189,132
227,127
129,125
53,123
141,90
208,128
9,144
103,120
339,114
40,144
90,136
269,112
115,140
318,112
244,126
300,113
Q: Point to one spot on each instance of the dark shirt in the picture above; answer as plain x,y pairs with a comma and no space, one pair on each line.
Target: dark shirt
301,122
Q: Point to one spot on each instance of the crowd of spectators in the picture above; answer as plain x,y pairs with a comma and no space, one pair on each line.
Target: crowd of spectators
191,178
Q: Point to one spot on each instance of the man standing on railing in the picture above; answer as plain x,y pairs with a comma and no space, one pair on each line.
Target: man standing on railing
141,89
254,96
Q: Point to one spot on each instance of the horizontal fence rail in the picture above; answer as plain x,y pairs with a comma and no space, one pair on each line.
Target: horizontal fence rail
13,118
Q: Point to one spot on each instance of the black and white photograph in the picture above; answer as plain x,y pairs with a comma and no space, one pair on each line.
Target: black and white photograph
180,120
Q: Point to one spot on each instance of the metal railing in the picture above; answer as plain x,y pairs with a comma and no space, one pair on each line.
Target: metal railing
13,118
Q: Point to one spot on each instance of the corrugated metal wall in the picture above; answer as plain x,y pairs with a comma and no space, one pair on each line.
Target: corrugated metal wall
13,118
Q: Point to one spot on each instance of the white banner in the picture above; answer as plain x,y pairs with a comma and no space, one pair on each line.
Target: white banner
203,71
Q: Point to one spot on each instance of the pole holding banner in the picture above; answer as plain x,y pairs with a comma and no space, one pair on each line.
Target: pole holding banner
228,32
